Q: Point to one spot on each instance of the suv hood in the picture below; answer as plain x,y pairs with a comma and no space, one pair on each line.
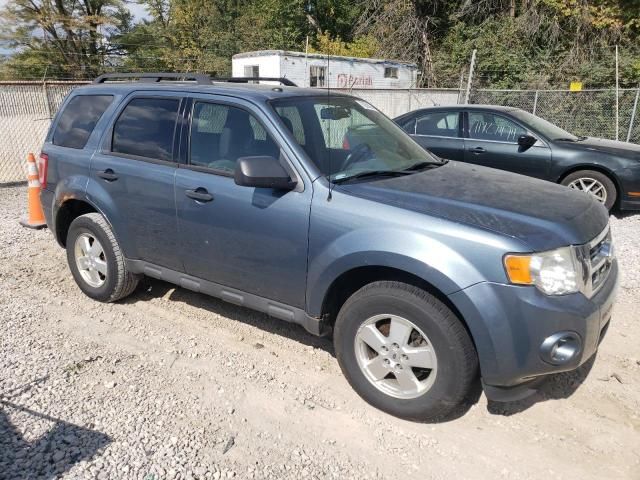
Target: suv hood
612,147
541,214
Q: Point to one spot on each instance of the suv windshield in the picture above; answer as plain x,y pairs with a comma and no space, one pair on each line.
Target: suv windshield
548,129
348,138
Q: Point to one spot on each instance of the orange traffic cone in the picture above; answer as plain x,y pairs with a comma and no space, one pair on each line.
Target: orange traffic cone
35,217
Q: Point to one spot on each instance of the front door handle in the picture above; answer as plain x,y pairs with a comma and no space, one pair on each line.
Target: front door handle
477,150
199,194
108,175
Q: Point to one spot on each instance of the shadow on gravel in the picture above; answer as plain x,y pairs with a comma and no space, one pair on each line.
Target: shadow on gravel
152,288
556,387
48,457
620,215
462,410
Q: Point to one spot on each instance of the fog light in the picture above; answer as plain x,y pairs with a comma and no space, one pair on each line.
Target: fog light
561,348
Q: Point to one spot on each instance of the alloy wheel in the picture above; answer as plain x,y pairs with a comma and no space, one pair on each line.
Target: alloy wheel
591,186
90,260
396,356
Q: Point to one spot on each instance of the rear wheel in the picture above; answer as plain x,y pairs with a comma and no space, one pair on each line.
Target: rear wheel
404,351
96,261
593,183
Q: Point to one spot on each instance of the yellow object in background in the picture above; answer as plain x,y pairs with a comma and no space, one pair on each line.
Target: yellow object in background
575,86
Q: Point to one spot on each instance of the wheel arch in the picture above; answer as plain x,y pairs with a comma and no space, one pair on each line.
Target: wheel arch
71,209
354,279
66,213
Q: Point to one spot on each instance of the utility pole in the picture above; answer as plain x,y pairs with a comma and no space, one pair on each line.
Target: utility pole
633,114
470,79
617,98
306,63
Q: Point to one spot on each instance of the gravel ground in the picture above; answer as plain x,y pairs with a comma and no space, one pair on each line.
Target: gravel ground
171,384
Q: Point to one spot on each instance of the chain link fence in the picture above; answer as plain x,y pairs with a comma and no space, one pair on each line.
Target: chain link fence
26,109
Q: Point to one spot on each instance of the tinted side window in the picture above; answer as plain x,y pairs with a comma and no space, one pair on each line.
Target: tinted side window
79,118
444,124
487,126
220,134
146,128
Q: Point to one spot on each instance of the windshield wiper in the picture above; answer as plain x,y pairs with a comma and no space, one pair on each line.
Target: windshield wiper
423,165
372,173
416,167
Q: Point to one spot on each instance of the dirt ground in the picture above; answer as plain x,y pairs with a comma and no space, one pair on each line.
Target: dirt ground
173,384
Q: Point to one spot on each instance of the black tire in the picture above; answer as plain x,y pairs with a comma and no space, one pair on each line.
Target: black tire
457,361
118,281
609,186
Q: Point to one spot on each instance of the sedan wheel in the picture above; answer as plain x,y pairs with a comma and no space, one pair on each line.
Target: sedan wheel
597,184
592,186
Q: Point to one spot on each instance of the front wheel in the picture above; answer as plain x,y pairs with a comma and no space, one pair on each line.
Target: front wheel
594,183
404,351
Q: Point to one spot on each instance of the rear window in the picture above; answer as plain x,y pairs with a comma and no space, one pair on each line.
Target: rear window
146,127
79,118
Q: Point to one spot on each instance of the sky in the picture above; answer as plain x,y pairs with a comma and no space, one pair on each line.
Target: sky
138,11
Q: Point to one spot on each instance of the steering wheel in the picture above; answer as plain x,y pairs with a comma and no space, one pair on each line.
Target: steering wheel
356,155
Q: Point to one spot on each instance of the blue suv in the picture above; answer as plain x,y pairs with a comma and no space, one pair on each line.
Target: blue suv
428,273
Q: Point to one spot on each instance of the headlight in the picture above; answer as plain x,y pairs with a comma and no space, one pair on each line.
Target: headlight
556,272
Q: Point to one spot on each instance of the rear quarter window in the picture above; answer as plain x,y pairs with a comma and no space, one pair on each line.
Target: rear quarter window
79,118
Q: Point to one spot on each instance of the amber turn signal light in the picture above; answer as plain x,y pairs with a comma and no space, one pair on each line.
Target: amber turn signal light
518,269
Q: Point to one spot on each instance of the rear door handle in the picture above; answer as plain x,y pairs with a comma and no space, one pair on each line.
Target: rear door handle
199,194
108,175
477,150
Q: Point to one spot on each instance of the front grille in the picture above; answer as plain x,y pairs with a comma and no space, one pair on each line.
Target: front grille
598,262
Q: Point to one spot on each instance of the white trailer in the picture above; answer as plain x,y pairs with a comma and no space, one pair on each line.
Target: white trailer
332,71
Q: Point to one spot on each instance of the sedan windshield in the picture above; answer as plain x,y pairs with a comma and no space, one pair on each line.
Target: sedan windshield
548,129
349,139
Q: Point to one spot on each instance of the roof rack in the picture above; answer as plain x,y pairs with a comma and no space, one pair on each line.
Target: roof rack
283,80
199,78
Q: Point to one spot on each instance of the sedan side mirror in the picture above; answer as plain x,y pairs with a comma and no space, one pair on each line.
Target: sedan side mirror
262,172
526,141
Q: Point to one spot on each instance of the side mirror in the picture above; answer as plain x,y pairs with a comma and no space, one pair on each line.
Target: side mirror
526,141
262,172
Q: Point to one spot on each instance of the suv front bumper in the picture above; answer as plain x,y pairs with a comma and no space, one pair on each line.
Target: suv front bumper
510,324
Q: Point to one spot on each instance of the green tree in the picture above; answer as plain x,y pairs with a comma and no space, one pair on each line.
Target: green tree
60,37
527,43
359,47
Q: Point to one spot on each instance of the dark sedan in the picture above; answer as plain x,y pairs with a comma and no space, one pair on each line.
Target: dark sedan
512,139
